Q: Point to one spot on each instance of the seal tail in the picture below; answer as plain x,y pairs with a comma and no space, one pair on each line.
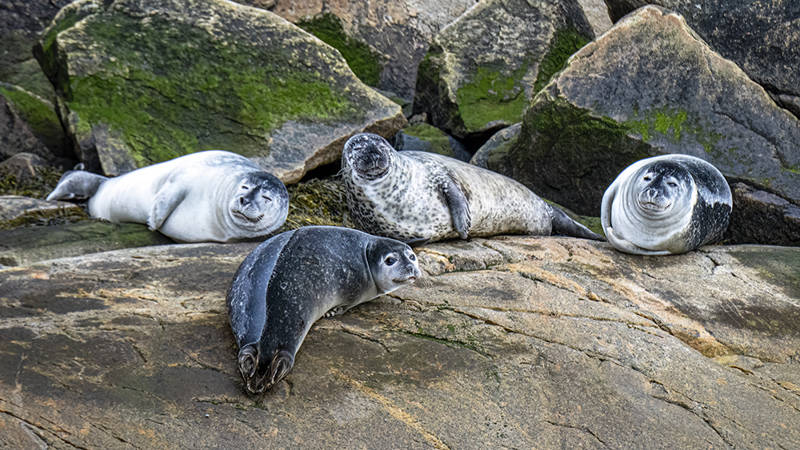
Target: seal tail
565,225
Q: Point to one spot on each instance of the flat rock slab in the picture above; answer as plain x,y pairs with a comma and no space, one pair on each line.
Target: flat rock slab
25,245
513,342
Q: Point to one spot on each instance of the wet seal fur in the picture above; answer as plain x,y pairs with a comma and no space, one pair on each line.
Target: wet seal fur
666,205
418,196
205,196
294,278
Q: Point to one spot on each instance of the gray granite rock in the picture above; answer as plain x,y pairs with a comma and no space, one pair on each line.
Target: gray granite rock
483,69
382,40
763,38
493,155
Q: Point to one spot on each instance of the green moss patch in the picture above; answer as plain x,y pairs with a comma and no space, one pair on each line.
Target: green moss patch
439,140
361,59
566,42
39,115
492,96
172,89
317,202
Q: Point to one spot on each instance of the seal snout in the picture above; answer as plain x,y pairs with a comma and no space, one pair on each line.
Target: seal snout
369,155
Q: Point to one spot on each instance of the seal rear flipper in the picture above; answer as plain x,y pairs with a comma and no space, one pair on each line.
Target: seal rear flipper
565,225
248,361
459,207
76,185
167,199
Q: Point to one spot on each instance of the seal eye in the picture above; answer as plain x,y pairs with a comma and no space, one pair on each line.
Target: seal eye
412,257
672,184
390,260
244,188
266,197
647,178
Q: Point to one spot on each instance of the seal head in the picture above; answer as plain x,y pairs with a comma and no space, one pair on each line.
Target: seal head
261,202
369,155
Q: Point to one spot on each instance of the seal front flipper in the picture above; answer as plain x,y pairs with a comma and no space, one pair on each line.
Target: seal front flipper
167,199
459,207
629,247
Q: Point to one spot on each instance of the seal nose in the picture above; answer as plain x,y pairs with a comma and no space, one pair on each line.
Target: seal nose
650,194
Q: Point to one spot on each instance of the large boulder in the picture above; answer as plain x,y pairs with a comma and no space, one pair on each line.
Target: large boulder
510,342
143,81
763,38
651,86
16,210
482,70
382,40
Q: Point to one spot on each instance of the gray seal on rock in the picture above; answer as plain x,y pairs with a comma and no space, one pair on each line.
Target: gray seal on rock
294,278
417,196
205,196
665,205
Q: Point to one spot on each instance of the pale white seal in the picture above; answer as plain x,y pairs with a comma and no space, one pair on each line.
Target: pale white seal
205,196
666,205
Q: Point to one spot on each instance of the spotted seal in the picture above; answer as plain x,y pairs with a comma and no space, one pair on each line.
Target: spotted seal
665,205
294,278
418,196
205,196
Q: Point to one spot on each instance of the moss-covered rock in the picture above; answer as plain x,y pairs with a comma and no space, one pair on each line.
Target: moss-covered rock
17,211
144,81
671,94
364,62
20,246
317,202
493,154
427,138
470,85
383,41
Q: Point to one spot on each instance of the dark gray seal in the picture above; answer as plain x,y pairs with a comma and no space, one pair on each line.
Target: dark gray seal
205,196
291,280
665,205
413,196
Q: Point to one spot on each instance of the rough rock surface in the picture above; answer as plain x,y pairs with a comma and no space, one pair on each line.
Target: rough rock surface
21,21
763,38
513,342
382,40
427,138
482,70
28,123
22,166
493,155
17,210
651,86
143,81
16,135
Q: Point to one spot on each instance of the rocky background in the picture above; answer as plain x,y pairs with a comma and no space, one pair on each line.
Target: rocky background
519,342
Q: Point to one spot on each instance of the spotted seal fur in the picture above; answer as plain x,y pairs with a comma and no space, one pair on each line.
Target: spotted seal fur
413,196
